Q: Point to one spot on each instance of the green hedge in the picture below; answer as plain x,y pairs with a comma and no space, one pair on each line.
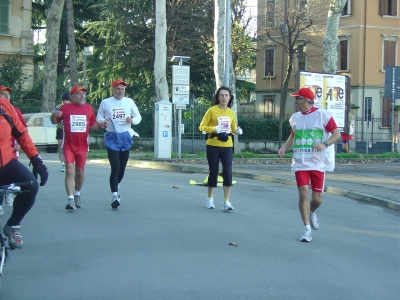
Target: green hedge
263,129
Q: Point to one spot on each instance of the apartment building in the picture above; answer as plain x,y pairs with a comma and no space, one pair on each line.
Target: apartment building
369,33
16,36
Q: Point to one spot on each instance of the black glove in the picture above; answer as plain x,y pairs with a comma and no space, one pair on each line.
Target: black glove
223,136
39,168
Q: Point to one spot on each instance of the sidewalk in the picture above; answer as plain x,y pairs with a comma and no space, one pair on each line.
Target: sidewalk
376,182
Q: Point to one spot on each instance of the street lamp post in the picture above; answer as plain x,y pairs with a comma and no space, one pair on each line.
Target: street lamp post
86,51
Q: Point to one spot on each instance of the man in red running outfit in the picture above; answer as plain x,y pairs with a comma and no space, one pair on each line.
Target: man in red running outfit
78,117
314,132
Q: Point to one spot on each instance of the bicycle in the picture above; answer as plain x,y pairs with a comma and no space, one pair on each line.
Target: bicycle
15,188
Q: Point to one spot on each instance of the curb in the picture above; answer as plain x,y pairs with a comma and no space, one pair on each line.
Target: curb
197,169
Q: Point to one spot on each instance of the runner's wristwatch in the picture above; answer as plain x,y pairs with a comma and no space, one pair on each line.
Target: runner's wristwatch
326,144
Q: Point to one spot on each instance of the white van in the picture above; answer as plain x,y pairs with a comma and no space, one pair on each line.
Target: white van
42,132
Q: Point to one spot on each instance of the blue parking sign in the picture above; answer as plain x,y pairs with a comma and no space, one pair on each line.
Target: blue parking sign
165,133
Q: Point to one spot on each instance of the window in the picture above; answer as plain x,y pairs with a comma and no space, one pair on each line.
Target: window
301,58
388,7
268,105
303,10
343,55
269,68
4,16
386,112
270,14
347,8
389,52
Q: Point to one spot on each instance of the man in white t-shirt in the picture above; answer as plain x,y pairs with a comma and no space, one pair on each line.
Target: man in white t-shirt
314,131
120,113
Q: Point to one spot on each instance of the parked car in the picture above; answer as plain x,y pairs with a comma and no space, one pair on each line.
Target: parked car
42,132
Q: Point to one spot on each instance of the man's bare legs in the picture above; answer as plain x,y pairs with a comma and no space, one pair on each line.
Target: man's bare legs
304,206
74,179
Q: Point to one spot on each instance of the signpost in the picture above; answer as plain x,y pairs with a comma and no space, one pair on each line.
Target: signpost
180,91
392,91
367,118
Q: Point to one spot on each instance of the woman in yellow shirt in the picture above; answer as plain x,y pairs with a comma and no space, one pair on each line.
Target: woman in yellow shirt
219,122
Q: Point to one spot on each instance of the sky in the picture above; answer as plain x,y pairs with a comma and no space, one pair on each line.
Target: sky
252,10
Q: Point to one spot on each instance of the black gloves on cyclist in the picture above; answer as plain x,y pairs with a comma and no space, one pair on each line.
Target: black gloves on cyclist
39,168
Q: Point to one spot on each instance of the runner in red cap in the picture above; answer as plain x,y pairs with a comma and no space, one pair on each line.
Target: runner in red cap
314,132
121,113
78,117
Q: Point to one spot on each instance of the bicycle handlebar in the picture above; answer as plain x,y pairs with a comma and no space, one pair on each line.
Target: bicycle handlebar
19,184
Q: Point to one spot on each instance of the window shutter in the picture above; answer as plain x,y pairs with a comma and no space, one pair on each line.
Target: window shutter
4,16
389,53
393,8
382,7
343,55
392,53
386,115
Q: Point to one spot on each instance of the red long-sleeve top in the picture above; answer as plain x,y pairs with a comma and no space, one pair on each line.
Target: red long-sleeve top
24,140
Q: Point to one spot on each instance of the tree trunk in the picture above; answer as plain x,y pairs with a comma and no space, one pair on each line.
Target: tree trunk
331,40
62,46
219,26
51,58
160,60
71,43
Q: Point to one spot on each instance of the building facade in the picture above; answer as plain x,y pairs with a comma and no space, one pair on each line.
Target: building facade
369,33
16,36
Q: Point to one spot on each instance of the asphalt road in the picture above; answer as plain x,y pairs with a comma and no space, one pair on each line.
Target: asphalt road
164,244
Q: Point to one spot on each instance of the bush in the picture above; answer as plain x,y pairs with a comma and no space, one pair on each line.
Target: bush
263,129
145,127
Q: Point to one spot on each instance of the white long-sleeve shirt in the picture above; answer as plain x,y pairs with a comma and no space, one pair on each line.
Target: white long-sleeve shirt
117,111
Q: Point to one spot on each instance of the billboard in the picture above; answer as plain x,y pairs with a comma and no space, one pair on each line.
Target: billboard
392,82
332,92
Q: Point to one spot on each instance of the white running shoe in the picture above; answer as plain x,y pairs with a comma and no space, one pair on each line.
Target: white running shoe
210,203
70,204
62,168
307,236
77,201
9,199
227,205
314,221
115,201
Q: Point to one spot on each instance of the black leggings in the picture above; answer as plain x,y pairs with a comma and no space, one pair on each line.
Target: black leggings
214,154
14,172
118,161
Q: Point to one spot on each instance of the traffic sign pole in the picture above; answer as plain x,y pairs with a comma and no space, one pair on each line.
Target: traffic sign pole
180,91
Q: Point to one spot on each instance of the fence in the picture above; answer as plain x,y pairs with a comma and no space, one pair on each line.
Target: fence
373,130
373,135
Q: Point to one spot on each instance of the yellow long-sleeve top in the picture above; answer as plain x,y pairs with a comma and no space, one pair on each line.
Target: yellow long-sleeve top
217,116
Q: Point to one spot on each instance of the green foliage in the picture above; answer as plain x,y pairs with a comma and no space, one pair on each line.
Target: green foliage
383,155
13,76
348,155
145,127
245,89
262,129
